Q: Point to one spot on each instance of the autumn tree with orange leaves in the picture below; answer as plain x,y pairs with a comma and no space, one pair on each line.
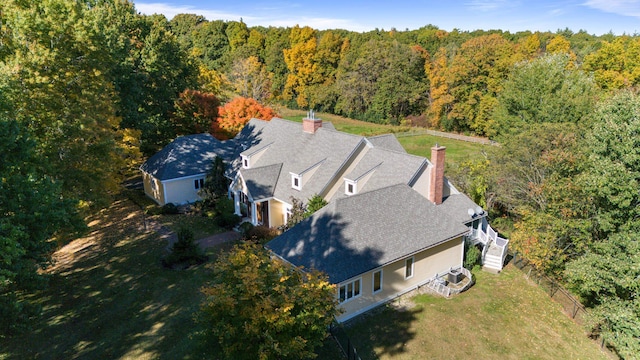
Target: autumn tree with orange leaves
194,112
236,113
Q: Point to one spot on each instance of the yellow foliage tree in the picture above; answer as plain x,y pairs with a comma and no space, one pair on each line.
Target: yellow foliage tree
302,64
616,64
260,308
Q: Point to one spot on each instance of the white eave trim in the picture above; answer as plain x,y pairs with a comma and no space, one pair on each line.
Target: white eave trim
184,178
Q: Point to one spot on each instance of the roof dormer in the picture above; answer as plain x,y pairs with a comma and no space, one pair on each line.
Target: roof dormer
351,186
249,157
299,179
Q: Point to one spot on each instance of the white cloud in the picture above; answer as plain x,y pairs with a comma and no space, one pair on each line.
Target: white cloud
314,22
320,23
619,7
169,11
489,5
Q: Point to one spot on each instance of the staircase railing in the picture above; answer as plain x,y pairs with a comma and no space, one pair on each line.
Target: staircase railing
491,236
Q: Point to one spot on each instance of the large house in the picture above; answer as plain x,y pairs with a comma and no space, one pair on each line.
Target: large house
393,221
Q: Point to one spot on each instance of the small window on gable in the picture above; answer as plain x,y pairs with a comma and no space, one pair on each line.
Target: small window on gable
296,182
245,162
349,187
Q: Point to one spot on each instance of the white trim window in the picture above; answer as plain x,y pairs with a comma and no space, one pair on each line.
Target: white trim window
198,184
377,281
408,268
350,187
296,181
245,162
350,290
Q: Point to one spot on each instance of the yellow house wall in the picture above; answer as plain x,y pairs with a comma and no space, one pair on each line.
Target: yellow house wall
421,184
158,194
427,264
276,213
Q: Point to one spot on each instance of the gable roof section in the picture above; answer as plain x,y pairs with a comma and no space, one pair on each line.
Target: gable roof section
387,141
261,181
353,235
457,206
391,168
185,156
297,151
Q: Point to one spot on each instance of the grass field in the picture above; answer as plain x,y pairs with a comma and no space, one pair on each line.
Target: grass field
110,298
457,151
502,316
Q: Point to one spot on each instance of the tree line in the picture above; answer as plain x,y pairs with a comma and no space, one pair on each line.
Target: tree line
89,87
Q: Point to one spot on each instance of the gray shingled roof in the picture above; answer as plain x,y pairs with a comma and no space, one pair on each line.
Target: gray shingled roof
457,207
185,156
353,235
387,141
261,181
386,168
297,151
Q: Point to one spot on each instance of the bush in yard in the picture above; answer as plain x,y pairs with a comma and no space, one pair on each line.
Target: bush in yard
169,209
260,308
261,234
226,218
185,251
471,256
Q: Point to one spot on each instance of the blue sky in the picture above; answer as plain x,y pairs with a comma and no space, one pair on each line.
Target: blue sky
595,16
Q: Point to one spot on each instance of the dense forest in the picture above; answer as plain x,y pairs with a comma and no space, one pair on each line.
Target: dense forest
87,88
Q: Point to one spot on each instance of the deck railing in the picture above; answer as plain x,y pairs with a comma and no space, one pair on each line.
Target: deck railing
486,238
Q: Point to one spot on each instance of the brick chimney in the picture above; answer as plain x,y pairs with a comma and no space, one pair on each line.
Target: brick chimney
436,176
310,124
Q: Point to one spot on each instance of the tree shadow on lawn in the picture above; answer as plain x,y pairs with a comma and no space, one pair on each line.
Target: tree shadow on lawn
383,331
109,297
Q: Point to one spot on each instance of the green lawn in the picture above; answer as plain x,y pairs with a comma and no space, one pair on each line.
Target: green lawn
502,316
110,298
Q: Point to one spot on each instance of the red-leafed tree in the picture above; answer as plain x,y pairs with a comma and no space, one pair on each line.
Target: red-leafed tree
236,113
194,112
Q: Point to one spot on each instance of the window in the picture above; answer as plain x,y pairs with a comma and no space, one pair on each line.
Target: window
408,268
350,290
296,182
349,187
198,183
377,281
245,162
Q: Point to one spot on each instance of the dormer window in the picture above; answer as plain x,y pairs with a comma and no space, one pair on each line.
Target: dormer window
299,179
245,162
350,187
296,181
